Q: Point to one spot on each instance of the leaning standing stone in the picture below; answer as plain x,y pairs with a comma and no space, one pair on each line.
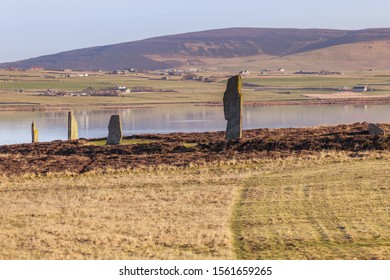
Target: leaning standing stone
34,133
114,131
232,103
73,129
375,130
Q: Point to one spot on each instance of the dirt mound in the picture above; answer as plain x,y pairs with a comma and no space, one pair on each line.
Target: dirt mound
180,149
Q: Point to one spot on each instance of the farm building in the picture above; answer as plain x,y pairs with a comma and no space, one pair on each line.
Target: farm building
359,89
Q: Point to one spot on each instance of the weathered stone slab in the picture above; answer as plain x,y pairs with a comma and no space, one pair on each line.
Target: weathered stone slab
375,130
73,128
34,133
232,103
114,130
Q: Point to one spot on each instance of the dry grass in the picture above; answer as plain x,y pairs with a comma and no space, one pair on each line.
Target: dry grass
322,206
103,142
131,215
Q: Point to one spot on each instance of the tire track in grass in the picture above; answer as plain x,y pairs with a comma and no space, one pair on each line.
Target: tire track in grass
236,227
314,210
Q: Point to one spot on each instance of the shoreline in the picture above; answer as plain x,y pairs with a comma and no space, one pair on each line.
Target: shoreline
297,102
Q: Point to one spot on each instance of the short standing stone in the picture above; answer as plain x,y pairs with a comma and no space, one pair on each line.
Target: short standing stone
232,102
114,131
375,130
34,132
73,129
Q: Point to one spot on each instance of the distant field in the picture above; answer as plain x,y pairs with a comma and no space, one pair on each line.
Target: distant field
256,87
34,80
325,206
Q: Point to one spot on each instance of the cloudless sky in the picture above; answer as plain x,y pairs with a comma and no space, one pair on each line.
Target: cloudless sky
30,28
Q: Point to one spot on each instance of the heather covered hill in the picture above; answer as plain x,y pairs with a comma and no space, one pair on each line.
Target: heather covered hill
171,51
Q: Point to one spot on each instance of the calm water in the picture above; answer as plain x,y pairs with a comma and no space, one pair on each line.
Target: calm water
15,127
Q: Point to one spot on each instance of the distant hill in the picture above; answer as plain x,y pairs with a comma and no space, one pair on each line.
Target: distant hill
213,46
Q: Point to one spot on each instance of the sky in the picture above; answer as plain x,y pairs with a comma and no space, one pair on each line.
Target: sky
40,27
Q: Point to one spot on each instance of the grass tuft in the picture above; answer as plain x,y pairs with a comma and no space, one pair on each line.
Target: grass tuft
102,142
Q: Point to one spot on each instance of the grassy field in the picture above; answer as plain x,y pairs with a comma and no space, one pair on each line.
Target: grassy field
325,206
264,87
163,214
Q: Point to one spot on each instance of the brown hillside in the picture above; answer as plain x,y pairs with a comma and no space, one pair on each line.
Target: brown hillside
162,52
347,57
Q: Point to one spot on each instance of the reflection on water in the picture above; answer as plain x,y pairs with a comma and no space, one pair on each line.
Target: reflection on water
15,127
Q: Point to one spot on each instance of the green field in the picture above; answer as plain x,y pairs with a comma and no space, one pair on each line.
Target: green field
256,87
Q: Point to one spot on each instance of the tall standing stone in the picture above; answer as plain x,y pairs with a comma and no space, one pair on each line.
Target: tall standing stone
232,104
73,128
34,133
114,130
